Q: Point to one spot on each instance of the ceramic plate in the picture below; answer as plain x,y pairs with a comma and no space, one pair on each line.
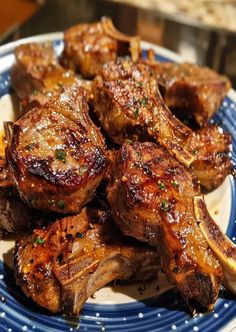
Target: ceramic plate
153,306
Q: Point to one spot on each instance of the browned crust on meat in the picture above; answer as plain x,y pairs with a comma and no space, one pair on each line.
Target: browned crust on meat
57,155
151,196
195,90
61,266
89,46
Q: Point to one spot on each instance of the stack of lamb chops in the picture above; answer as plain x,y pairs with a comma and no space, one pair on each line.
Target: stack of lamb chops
56,160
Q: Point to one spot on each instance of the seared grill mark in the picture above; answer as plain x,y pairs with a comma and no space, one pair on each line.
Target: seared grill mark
126,97
155,204
57,154
80,254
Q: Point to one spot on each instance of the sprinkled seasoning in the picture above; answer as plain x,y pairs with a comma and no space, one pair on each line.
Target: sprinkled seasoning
34,201
195,151
139,154
165,206
144,102
175,184
79,235
136,113
170,170
138,84
61,155
82,170
60,85
61,204
186,122
39,241
161,185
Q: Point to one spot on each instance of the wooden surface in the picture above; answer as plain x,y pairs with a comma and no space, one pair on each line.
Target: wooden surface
15,12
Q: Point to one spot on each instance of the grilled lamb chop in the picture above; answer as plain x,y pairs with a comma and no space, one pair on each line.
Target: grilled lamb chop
152,196
61,266
89,46
129,105
56,154
191,90
37,76
15,216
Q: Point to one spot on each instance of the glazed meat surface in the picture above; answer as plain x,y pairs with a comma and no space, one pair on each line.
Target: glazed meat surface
89,46
129,106
37,76
61,266
15,216
56,154
210,147
195,91
37,68
151,196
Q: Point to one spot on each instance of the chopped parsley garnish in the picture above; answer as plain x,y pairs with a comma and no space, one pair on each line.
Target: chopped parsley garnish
34,201
139,84
144,102
39,240
186,122
165,206
30,146
79,235
35,92
61,154
175,184
161,185
136,113
61,204
82,170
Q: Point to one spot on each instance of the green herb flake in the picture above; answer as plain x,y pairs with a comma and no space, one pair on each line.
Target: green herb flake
186,122
34,201
144,102
79,235
82,170
30,146
60,85
136,113
51,201
165,206
38,240
161,185
195,151
175,184
61,204
128,141
139,84
35,92
61,155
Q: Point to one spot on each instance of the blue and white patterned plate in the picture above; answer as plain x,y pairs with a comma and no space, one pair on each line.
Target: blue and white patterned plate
153,306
